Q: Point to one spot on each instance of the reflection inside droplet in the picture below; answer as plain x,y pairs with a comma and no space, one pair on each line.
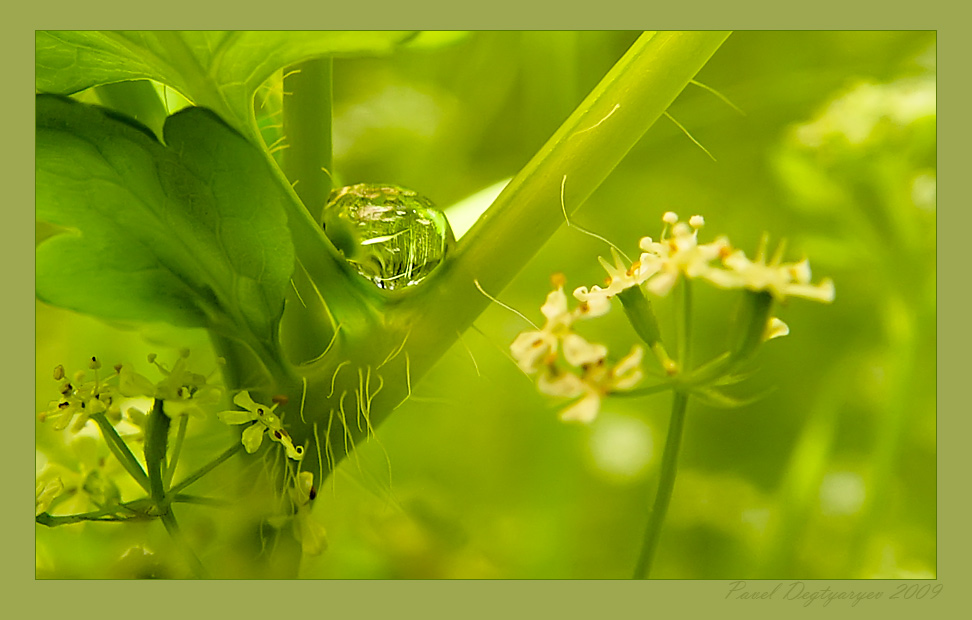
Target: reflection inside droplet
392,236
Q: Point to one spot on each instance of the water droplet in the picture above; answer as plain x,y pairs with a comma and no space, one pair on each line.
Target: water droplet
390,235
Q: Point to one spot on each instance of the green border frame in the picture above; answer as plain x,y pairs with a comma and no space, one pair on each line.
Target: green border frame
474,599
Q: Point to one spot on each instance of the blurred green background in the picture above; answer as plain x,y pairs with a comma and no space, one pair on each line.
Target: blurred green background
831,474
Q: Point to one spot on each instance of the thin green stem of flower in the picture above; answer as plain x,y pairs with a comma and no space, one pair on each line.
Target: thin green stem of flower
183,498
176,451
709,371
307,130
685,326
120,449
666,485
172,527
136,507
203,471
644,391
156,446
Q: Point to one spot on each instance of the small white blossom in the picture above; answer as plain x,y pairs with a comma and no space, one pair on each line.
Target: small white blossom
678,254
531,348
81,399
266,422
596,381
780,279
580,352
857,116
775,328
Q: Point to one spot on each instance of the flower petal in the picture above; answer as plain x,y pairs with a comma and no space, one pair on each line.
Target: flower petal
132,384
555,306
579,352
242,399
253,437
584,410
564,384
775,328
235,417
530,348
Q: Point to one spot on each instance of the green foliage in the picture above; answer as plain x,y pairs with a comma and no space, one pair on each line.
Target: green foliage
193,232
220,70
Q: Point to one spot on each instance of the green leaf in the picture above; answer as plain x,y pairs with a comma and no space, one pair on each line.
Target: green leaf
193,234
217,69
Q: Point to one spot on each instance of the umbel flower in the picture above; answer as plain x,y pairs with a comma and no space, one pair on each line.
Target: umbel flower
186,392
183,393
263,421
677,254
81,399
531,348
595,381
590,378
86,484
779,279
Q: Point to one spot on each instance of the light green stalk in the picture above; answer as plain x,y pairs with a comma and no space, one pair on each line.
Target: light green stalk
666,485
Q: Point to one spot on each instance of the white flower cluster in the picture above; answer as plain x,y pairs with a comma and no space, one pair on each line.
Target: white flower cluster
676,254
591,378
858,116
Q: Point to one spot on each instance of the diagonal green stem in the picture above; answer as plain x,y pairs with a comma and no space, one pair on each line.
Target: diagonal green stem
685,326
172,527
307,131
306,327
136,507
156,446
120,449
203,471
176,451
586,148
666,484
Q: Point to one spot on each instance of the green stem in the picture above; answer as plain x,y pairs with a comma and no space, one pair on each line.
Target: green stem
585,150
306,327
172,527
685,326
120,449
637,308
666,485
754,314
176,451
137,507
307,131
183,498
156,445
203,471
645,391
